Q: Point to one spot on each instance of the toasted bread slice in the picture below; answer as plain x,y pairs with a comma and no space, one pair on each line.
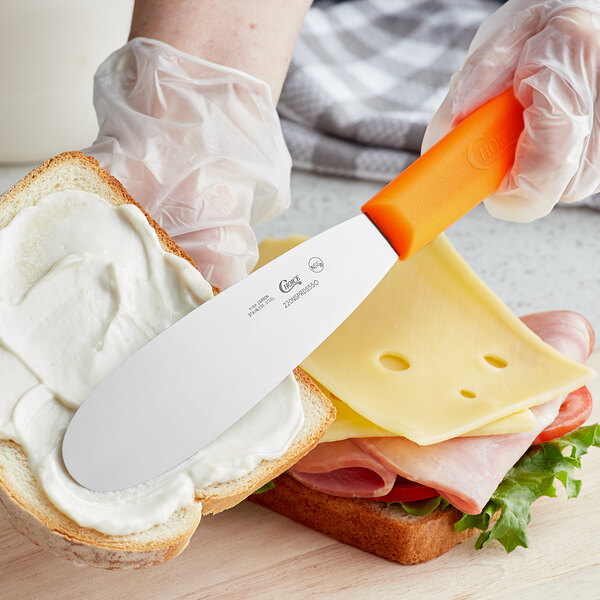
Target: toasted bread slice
375,527
29,509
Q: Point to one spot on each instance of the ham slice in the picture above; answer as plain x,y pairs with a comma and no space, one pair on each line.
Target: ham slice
343,469
567,331
465,471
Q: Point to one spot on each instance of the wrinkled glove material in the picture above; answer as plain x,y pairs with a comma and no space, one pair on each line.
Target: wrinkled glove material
198,145
550,53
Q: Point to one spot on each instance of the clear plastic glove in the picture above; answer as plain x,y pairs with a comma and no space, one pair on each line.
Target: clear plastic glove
198,145
550,53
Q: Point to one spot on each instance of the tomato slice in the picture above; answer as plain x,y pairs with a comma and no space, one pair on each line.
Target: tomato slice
405,490
574,411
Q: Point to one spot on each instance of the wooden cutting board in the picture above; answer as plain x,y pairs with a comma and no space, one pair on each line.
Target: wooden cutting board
251,553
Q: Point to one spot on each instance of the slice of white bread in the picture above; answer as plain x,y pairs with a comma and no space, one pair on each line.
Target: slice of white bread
376,527
29,509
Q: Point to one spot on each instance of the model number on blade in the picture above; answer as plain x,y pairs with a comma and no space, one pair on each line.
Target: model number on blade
307,288
260,304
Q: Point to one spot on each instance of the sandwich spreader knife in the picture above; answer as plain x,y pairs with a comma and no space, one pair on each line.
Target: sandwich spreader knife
186,386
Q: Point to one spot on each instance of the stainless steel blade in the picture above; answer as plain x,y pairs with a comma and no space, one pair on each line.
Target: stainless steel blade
185,387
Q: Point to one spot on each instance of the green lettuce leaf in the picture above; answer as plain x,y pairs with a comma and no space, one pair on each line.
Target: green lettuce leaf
532,476
422,508
265,488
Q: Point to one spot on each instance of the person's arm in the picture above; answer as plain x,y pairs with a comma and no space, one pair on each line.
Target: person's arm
254,36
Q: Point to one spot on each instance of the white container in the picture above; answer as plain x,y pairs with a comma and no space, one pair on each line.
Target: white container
49,51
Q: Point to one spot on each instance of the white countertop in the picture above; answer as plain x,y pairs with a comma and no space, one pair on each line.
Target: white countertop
552,263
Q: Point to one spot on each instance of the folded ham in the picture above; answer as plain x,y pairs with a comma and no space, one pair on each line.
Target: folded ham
343,469
465,471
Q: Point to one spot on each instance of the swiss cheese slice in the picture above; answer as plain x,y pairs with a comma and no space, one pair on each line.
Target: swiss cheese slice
349,424
433,353
518,422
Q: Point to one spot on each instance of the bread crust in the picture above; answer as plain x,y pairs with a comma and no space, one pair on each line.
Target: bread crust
375,527
31,513
29,509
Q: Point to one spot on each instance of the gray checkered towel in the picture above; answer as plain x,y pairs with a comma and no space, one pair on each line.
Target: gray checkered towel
366,78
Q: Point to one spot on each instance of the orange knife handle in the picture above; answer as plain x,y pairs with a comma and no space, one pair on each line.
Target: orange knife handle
451,178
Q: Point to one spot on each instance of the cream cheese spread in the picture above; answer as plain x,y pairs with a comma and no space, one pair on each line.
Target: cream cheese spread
83,285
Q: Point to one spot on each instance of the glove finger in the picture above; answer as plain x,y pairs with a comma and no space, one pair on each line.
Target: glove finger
584,26
224,254
488,69
559,116
587,180
547,159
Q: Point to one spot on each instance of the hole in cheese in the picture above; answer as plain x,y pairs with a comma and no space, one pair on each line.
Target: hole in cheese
495,361
468,393
394,362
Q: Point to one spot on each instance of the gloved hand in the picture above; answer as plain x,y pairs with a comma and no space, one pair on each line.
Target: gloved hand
549,51
198,145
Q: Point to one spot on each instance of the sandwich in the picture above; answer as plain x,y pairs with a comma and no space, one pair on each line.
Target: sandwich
453,415
86,278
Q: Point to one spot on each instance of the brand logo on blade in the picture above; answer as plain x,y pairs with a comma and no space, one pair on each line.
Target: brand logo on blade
286,285
315,264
